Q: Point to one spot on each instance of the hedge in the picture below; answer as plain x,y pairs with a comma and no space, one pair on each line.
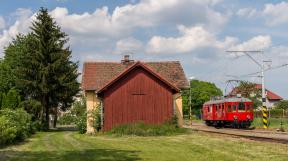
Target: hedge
15,125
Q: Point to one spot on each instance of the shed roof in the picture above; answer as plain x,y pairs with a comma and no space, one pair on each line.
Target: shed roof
135,65
97,74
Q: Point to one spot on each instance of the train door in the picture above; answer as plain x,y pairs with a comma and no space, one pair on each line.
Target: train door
213,111
222,111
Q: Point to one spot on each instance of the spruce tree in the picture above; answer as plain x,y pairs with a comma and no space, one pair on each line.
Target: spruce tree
47,74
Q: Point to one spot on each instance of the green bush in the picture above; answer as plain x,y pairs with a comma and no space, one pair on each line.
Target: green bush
96,114
67,119
142,129
7,131
274,113
17,125
81,123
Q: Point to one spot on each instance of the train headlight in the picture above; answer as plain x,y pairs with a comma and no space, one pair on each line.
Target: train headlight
248,117
235,117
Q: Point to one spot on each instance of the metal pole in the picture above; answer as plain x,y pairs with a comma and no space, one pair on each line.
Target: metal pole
264,107
190,102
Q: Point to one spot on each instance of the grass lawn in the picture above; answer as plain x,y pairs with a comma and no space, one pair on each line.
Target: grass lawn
274,123
258,123
71,146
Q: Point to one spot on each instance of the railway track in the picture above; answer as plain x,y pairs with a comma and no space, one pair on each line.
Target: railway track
257,135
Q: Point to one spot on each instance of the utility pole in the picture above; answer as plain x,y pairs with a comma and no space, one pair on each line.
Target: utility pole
190,100
262,67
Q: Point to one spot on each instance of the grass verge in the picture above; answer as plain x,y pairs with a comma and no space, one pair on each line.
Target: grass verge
141,129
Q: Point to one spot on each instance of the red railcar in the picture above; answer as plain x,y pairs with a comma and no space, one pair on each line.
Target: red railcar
235,112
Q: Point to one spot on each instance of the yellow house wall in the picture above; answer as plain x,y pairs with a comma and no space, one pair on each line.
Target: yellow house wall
178,108
91,102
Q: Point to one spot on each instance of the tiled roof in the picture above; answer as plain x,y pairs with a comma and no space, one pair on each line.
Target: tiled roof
97,74
270,95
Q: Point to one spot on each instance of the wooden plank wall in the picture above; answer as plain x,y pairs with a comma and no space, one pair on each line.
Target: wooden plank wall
139,96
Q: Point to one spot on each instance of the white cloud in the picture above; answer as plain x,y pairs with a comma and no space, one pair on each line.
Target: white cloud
276,14
247,12
281,51
197,37
129,44
260,42
190,39
2,23
21,25
273,14
146,13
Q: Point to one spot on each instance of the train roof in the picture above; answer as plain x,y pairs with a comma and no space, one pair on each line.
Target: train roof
232,99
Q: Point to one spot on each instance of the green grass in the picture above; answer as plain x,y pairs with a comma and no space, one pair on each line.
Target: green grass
142,129
274,123
198,146
258,123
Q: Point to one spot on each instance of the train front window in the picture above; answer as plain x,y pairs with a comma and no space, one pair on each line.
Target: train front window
234,107
241,106
250,108
229,109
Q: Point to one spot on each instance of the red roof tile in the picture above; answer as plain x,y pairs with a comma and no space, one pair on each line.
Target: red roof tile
97,74
270,95
148,69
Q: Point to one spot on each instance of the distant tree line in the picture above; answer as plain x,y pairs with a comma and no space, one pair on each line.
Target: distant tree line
200,92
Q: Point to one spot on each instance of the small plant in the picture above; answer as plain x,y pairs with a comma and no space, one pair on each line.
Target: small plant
96,114
67,119
81,123
142,129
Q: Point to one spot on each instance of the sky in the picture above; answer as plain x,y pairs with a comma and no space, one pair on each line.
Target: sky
195,32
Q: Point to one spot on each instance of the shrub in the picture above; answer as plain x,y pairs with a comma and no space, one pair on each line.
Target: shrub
7,131
81,123
15,125
67,119
96,114
142,129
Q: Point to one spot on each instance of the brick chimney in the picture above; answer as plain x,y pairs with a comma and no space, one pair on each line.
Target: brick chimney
126,60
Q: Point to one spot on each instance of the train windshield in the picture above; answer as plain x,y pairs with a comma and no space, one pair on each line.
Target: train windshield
250,108
241,106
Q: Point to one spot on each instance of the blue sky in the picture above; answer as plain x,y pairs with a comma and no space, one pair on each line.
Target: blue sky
195,32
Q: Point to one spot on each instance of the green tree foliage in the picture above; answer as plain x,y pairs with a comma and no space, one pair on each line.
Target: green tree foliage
42,68
282,104
11,99
249,90
33,107
201,92
77,115
1,98
185,102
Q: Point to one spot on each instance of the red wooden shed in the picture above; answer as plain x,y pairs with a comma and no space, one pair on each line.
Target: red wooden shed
137,94
128,92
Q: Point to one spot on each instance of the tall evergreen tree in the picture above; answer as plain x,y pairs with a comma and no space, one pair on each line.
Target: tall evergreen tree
47,74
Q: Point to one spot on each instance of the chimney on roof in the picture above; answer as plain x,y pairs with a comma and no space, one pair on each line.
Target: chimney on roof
126,59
